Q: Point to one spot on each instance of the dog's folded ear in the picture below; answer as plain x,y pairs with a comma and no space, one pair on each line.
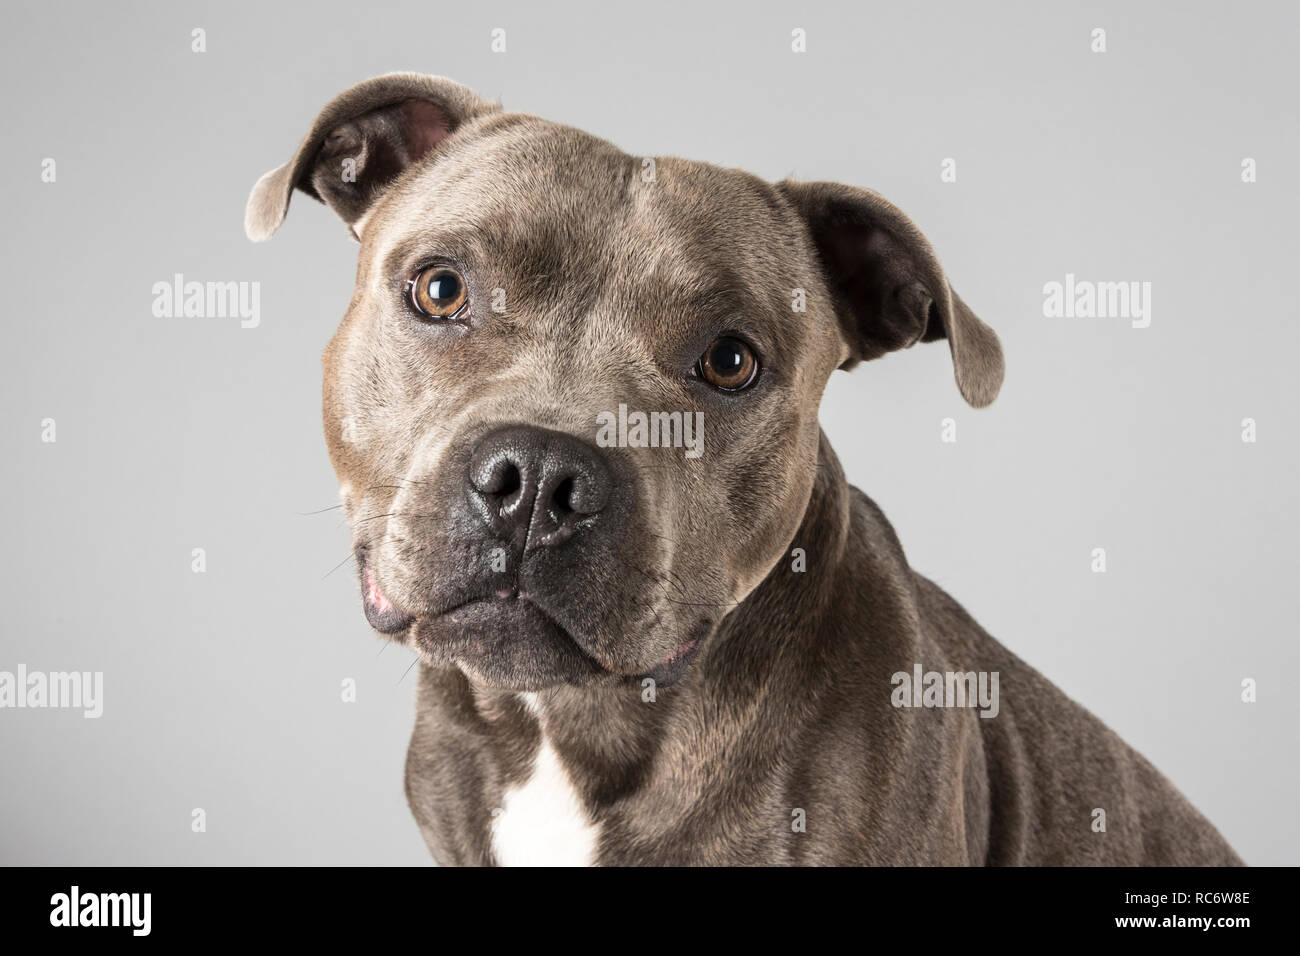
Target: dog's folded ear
890,291
360,142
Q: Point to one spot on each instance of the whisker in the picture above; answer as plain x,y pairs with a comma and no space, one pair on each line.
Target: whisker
351,556
414,661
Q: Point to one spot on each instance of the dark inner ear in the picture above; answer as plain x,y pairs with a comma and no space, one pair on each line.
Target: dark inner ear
934,325
380,144
889,289
881,306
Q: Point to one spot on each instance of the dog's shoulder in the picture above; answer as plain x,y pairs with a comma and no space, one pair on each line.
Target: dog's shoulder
1069,789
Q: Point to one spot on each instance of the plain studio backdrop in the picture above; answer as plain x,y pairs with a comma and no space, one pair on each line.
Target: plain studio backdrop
223,689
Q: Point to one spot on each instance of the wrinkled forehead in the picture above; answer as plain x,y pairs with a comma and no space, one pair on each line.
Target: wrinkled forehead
541,209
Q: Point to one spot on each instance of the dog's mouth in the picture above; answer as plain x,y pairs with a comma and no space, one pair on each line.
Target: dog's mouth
671,668
507,638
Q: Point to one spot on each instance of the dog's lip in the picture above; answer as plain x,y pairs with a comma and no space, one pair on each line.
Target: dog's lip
500,595
665,672
672,667
387,618
503,598
381,613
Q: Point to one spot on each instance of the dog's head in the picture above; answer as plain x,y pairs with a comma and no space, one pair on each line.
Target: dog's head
573,402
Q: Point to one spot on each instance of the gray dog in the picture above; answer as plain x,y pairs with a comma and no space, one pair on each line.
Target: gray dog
638,646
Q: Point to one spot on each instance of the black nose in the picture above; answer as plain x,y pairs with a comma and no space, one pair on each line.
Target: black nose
537,484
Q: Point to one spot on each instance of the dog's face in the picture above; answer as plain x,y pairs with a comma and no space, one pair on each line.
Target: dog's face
573,403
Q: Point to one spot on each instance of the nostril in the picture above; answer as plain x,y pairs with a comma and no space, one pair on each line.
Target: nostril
499,478
510,480
562,497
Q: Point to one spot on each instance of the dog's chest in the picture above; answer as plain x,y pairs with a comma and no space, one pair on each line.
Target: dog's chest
542,821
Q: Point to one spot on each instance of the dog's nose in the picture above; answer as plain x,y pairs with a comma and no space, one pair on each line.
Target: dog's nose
536,483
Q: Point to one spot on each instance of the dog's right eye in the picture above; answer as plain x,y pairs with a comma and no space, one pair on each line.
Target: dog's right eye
438,292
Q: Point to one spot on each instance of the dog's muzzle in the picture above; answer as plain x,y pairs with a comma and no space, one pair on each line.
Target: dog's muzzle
524,552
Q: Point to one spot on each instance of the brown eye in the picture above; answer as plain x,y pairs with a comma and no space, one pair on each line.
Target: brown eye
728,364
438,292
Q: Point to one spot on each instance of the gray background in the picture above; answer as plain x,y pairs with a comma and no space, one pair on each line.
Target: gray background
223,689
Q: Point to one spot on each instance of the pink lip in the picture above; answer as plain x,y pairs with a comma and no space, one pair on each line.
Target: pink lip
678,654
382,614
377,599
672,667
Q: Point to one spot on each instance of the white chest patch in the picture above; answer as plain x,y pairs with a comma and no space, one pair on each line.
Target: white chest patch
542,822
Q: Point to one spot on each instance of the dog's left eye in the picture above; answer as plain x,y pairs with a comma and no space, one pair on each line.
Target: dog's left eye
728,364
438,292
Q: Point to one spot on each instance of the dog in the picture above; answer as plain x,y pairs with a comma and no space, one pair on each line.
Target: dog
629,654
